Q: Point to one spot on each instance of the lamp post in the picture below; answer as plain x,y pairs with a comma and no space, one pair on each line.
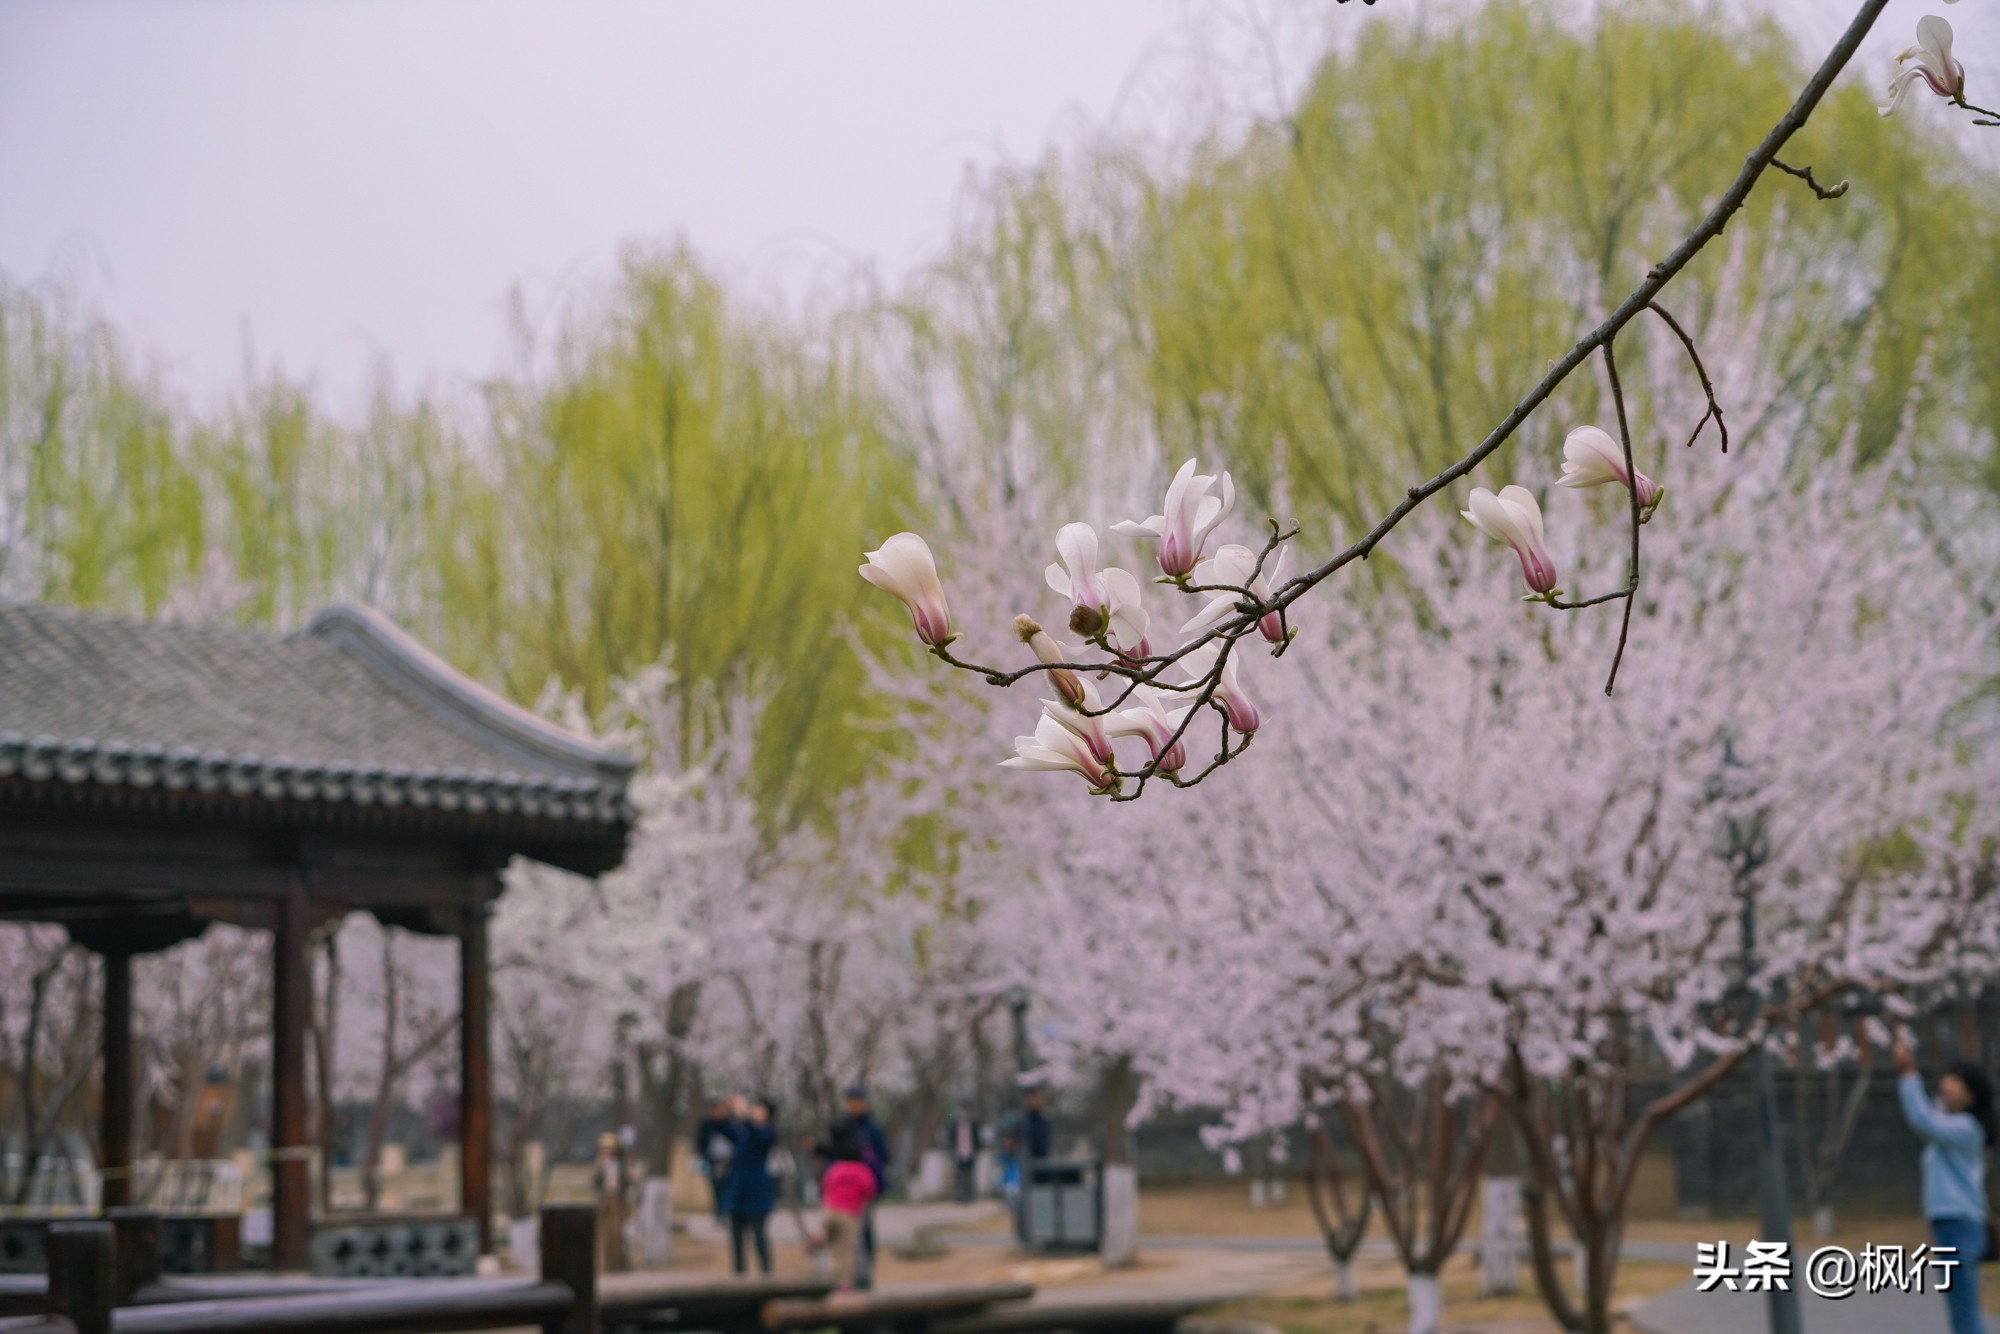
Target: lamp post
1745,844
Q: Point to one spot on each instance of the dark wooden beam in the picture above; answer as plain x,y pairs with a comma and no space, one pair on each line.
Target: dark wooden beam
569,1257
115,1112
83,1280
475,1086
290,998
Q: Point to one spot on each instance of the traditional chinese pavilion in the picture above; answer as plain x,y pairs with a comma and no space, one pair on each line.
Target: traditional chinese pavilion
155,778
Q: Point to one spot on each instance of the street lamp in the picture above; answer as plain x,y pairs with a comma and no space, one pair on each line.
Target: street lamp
1744,843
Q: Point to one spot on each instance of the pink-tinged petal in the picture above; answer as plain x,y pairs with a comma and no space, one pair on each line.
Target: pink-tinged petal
903,566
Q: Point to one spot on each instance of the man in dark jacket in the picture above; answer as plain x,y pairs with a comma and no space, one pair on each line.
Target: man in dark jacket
717,1150
858,1127
748,1193
1037,1126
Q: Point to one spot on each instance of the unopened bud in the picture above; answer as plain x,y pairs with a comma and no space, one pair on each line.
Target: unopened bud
1047,650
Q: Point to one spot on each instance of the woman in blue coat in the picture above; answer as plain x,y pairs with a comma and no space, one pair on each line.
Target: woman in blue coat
748,1193
1957,1131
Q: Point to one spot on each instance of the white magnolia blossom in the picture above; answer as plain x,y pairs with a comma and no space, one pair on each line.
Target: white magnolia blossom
904,567
1234,564
1515,518
1930,59
1236,705
1194,506
1152,721
1102,601
1087,722
1074,575
1054,748
1127,615
1592,458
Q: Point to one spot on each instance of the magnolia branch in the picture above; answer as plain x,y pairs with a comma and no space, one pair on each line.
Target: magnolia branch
1194,504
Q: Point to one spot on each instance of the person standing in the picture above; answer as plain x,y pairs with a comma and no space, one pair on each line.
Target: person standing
748,1193
856,1127
964,1134
607,1179
1037,1127
717,1151
1957,1131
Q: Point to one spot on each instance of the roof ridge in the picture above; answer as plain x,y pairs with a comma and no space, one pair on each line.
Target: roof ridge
457,699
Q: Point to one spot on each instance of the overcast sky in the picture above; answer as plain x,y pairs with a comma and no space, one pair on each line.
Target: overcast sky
336,184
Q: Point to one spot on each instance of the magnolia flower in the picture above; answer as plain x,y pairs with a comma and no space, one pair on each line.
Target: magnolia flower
903,566
1933,64
1048,650
1103,601
1233,564
1513,517
1076,577
1591,458
1236,706
1128,619
1195,505
1152,721
1055,749
1086,722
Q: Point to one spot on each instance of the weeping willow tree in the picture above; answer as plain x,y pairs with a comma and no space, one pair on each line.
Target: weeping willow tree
681,480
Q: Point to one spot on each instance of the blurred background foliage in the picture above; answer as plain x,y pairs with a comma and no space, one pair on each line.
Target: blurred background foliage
1336,303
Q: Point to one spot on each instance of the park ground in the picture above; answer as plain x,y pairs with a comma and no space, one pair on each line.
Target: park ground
1209,1237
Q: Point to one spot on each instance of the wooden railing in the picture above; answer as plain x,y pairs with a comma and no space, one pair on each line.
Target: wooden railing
98,1286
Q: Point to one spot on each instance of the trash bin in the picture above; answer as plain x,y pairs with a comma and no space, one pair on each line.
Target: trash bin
1062,1205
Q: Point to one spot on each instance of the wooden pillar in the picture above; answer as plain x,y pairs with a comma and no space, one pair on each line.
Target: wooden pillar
115,1114
290,997
82,1276
475,1082
135,1250
569,1257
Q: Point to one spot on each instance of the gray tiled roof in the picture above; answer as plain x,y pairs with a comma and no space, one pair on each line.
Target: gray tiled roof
349,710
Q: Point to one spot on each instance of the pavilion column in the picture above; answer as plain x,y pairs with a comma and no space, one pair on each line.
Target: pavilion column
115,1115
290,997
475,1087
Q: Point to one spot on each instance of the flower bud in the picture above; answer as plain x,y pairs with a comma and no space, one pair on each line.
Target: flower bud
1047,650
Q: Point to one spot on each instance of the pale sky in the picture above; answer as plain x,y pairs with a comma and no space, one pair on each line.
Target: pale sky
336,184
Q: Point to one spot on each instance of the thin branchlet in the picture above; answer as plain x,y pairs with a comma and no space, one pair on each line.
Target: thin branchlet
1638,517
1806,174
1714,412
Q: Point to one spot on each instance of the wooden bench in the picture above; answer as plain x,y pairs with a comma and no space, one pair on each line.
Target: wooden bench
1085,1312
91,1289
906,1310
676,1302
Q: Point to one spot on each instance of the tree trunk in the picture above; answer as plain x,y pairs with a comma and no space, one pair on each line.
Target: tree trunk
1499,1236
1343,1279
1426,1303
1118,1090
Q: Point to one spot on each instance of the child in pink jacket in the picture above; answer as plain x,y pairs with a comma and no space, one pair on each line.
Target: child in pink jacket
845,1191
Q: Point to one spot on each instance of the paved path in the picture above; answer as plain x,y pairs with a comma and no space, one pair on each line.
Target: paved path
1685,1311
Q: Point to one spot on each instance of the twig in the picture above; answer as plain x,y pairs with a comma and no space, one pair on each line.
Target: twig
1701,371
1631,587
1993,116
1806,174
1632,489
